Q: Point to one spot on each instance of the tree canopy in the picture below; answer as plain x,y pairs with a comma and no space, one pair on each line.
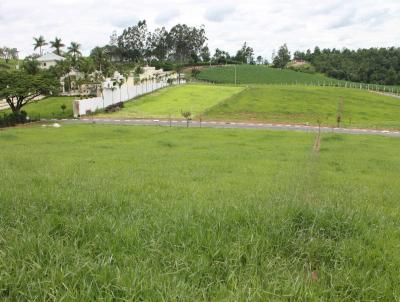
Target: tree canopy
245,54
181,43
373,65
57,45
282,58
8,53
19,87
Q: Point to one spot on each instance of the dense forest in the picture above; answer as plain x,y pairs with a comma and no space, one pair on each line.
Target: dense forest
374,65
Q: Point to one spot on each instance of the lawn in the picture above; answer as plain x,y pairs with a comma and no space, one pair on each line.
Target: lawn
95,212
252,74
171,101
255,74
50,107
300,104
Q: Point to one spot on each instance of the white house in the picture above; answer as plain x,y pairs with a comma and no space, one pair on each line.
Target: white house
49,59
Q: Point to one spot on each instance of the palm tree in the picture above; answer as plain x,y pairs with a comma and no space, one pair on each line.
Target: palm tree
99,56
57,45
74,49
39,43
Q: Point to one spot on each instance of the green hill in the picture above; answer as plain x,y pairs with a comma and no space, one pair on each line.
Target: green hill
252,74
269,103
255,74
310,105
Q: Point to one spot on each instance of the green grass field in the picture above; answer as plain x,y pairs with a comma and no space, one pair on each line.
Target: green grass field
300,104
50,108
270,103
171,101
96,212
253,74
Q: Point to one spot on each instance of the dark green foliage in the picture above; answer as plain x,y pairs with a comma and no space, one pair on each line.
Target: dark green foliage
30,65
57,45
181,43
18,87
245,54
282,58
374,65
12,119
114,107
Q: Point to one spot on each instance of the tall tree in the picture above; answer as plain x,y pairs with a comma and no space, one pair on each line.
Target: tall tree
74,49
221,56
57,45
39,43
185,41
100,57
282,58
157,44
133,40
205,54
245,54
8,53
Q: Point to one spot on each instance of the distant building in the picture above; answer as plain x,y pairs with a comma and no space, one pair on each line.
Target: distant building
49,59
298,62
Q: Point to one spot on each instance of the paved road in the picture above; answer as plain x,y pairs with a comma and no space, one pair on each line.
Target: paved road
211,124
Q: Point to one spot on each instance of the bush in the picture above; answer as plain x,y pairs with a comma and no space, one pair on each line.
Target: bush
114,107
304,68
12,119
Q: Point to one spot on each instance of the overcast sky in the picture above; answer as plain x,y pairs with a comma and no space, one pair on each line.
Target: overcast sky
264,24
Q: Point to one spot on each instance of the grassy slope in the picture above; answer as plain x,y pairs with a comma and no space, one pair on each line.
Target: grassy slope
50,107
253,74
250,74
197,214
171,101
299,104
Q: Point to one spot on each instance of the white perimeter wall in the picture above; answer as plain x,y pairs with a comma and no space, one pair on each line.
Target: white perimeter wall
126,93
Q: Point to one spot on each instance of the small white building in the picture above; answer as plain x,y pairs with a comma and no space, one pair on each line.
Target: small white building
49,59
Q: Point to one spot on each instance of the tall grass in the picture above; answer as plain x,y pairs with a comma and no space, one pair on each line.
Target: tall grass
145,213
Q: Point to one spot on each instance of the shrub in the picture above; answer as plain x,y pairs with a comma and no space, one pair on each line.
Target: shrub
12,119
114,107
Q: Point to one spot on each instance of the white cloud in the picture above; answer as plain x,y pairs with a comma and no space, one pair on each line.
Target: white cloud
264,24
219,13
166,16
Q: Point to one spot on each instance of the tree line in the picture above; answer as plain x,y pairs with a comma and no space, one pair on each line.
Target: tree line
8,53
373,65
181,44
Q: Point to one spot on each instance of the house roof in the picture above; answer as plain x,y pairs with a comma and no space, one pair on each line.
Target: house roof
50,57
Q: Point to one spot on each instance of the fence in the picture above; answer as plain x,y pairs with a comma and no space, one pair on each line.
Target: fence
116,94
